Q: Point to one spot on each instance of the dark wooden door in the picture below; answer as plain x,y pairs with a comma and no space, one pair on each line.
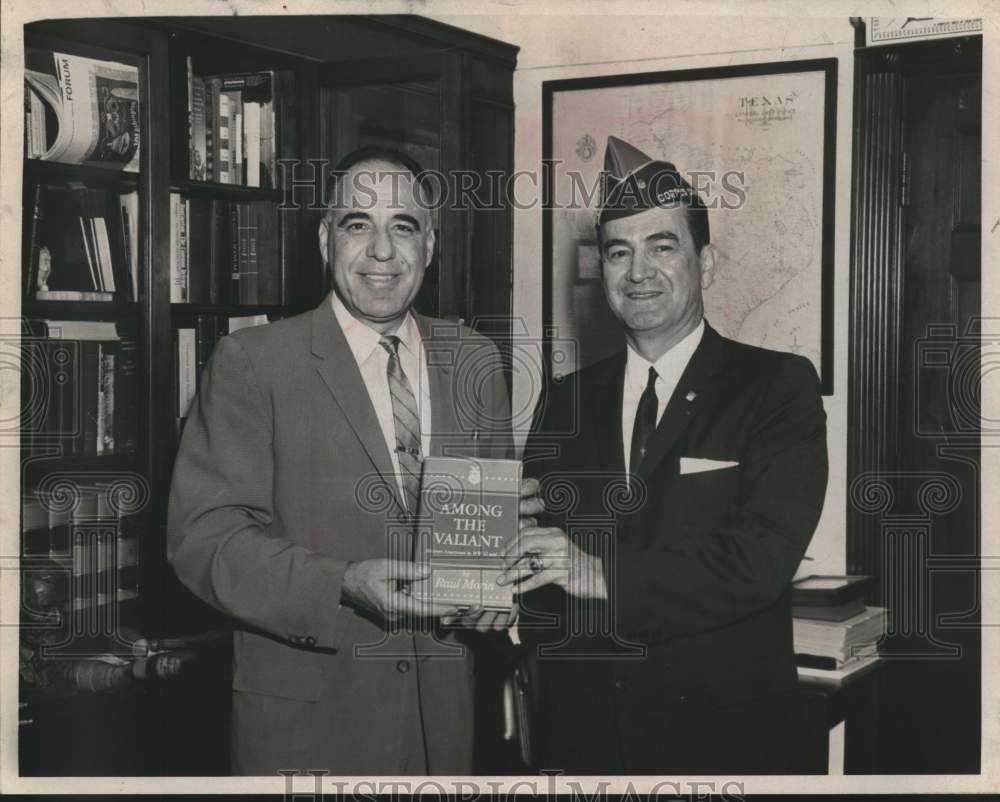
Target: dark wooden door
916,489
932,704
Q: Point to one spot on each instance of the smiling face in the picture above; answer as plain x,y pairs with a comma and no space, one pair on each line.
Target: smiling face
653,277
379,242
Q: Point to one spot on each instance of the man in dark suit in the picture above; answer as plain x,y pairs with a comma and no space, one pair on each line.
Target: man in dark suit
684,479
294,491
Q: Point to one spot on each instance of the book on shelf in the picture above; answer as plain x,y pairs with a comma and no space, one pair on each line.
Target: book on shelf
234,324
73,329
231,127
128,204
178,249
193,347
79,245
187,377
225,252
468,517
81,110
81,393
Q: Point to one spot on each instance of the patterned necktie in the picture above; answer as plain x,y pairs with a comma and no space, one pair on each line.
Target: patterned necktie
645,423
407,423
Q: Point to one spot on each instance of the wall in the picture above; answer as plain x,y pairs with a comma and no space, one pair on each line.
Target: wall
562,46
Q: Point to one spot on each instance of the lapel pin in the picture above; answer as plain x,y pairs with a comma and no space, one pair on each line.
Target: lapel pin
691,396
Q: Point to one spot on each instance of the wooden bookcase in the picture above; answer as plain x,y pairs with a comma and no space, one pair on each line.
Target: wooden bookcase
334,71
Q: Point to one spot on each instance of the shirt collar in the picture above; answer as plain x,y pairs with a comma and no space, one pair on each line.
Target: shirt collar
363,340
672,363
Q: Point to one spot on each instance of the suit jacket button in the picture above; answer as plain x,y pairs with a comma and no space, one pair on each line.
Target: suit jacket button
620,684
403,666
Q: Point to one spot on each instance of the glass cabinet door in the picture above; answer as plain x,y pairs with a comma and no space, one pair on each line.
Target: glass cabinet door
415,105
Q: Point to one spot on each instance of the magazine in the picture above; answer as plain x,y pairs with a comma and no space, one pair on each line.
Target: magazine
85,111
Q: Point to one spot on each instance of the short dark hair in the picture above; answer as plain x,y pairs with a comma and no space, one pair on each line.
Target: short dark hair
697,220
378,153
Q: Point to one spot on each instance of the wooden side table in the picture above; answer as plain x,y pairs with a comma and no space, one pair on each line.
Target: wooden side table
853,702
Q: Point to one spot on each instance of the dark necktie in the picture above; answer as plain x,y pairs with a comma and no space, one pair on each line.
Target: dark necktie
407,424
645,423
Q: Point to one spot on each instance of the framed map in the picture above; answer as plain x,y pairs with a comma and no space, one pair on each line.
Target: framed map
758,144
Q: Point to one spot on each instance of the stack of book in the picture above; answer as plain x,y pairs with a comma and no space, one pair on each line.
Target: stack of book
80,557
82,244
224,252
835,634
81,388
231,128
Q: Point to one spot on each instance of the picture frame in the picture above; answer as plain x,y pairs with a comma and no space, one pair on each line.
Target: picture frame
758,142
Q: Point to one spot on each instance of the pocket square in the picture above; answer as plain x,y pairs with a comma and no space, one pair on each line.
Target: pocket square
700,464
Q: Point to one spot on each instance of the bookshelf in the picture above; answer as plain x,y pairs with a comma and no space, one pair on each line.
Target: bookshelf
336,84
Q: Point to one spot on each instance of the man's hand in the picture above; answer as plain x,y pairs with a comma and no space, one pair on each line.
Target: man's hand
374,586
531,503
482,620
545,556
490,620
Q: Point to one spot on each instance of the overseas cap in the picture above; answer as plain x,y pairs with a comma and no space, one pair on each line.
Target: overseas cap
633,182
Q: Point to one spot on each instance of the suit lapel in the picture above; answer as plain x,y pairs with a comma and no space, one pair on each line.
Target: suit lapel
342,376
444,418
706,363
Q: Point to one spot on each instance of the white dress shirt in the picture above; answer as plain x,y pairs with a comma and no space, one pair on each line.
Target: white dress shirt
373,360
669,368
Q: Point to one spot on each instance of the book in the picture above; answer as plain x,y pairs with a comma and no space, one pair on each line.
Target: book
268,253
198,150
246,270
234,324
74,329
106,400
32,249
837,676
252,139
89,109
212,87
468,517
90,393
223,137
840,640
125,413
129,205
178,249
199,267
187,360
829,612
821,589
206,336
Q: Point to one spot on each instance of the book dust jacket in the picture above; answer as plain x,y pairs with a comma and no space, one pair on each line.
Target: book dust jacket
468,517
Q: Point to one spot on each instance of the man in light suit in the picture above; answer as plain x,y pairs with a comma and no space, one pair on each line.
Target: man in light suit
696,470
294,490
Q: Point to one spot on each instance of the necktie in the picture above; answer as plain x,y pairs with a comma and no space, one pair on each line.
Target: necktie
407,423
645,423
